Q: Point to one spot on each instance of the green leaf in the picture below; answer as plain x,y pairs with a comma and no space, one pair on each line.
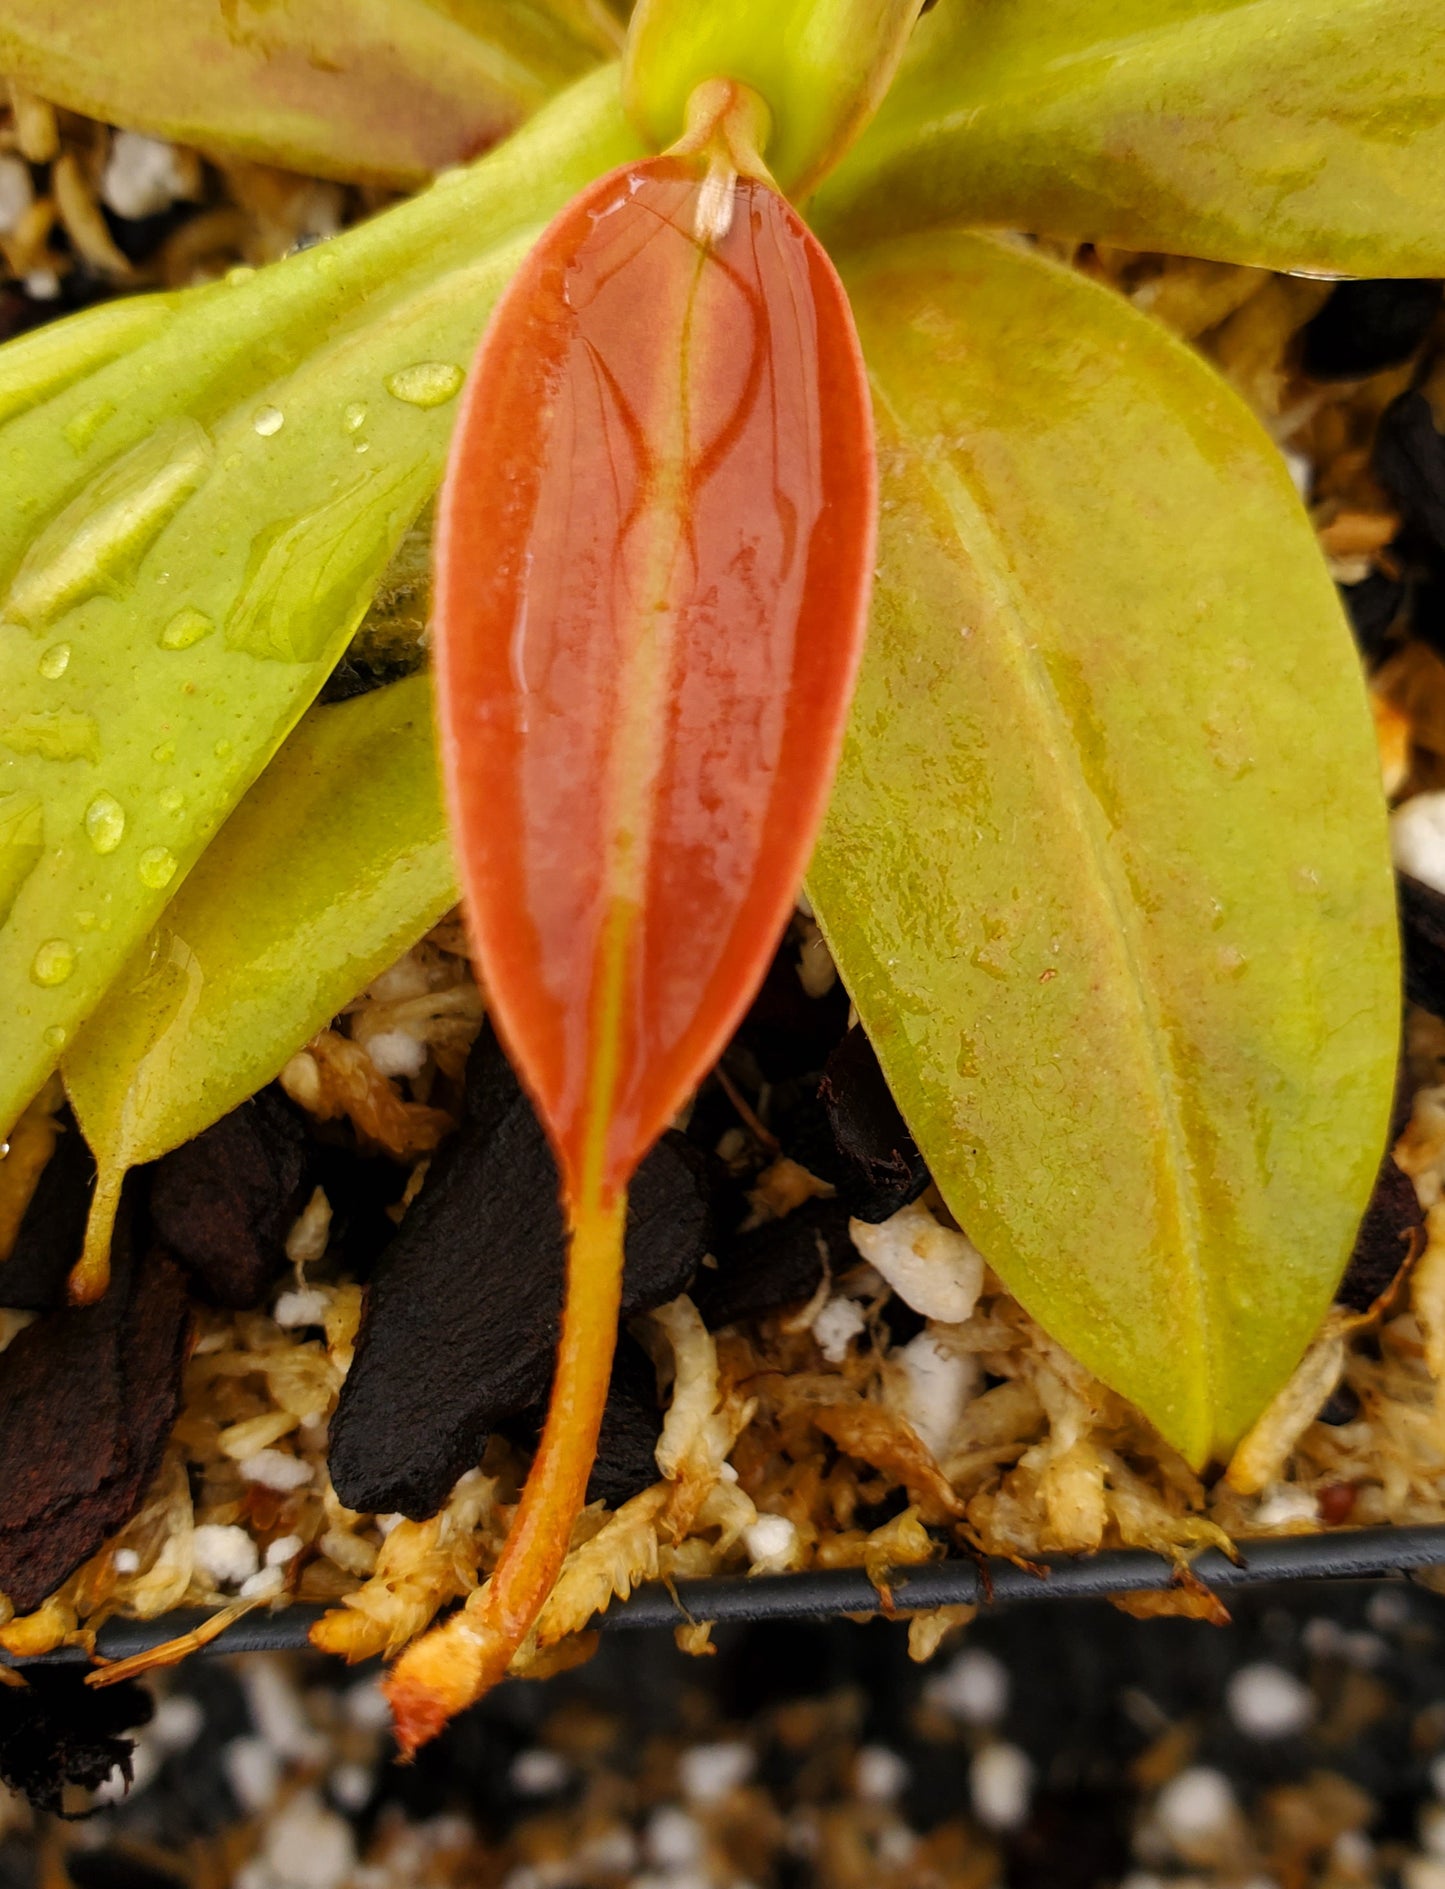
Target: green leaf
385,91
1285,133
190,534
821,66
334,864
1106,869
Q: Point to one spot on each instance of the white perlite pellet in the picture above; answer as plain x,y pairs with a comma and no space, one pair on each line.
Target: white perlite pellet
1417,838
937,1385
1284,1504
1265,1701
770,1542
935,1270
253,1771
973,1687
673,1840
274,1469
879,1775
309,1846
178,1723
395,1053
226,1554
708,1773
1000,1784
538,1773
838,1323
1198,1803
142,176
293,1310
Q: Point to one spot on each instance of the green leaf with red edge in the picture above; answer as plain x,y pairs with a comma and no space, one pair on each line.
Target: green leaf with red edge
1286,133
1105,869
653,558
383,91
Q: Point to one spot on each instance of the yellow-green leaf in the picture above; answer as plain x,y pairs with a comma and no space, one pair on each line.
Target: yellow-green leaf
1105,870
190,533
1286,133
336,861
821,66
379,90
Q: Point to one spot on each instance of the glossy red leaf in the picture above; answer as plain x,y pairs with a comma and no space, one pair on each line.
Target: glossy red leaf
653,560
654,549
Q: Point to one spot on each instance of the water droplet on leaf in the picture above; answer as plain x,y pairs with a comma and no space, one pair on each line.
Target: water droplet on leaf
53,734
172,800
222,748
96,544
165,752
105,823
185,628
426,384
353,417
268,420
157,867
55,1037
53,963
54,663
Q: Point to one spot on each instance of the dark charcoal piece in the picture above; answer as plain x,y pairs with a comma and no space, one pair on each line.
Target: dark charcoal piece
787,1032
50,1237
1422,925
1387,1233
224,1202
631,1424
1365,326
870,1132
626,1460
87,1400
778,1263
360,1188
462,1316
58,1731
1373,605
1410,464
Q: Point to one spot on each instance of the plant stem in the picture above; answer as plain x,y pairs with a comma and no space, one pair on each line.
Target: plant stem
454,1664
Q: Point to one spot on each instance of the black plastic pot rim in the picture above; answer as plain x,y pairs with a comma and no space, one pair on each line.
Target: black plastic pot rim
1358,1554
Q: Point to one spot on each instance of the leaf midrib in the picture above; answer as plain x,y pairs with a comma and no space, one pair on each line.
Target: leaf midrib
1084,807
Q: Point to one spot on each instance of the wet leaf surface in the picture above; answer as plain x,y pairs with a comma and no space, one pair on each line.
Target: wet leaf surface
1106,869
1279,133
223,1203
187,509
462,1316
87,1399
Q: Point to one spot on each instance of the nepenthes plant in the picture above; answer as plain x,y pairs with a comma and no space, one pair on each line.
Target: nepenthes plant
1099,848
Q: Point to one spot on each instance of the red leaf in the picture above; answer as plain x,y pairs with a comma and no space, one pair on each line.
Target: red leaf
653,560
655,546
